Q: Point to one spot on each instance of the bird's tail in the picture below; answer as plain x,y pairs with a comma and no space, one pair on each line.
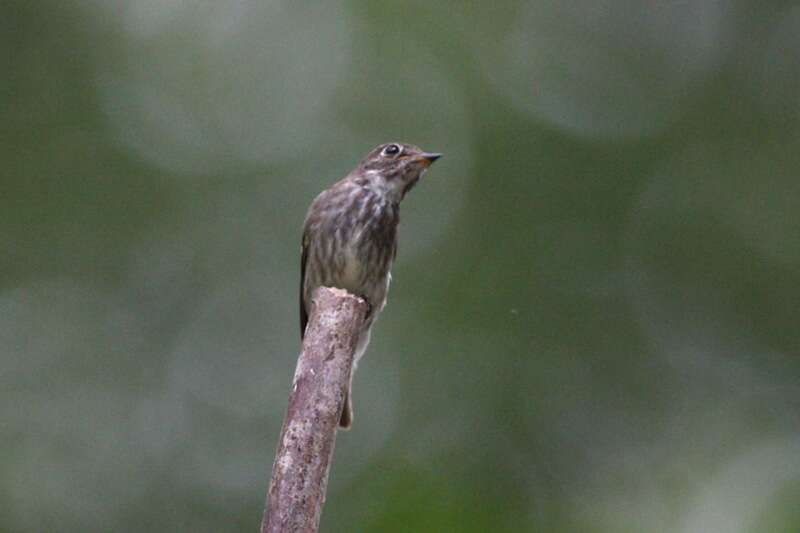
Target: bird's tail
347,412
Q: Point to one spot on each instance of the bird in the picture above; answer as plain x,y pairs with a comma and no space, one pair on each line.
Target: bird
350,237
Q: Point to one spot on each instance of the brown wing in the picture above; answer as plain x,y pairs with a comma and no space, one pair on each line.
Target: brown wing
303,310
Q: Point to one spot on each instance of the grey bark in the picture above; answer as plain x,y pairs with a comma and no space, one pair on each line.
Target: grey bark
300,472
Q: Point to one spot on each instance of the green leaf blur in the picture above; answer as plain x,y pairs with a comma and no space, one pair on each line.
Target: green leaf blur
593,320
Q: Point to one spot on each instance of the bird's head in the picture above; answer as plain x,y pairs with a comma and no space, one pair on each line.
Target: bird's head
394,168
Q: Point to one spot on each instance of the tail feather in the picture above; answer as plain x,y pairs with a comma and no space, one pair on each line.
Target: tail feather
347,413
346,420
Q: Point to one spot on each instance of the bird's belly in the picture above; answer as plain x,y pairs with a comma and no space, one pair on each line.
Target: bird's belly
357,276
351,277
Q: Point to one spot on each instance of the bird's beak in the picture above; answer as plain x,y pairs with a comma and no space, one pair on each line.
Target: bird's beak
426,158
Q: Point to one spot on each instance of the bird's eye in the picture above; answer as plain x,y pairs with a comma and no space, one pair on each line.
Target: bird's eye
392,149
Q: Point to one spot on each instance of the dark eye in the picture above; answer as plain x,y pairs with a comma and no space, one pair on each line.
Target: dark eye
392,149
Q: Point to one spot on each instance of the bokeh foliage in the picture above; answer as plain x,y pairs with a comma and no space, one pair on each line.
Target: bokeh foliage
593,319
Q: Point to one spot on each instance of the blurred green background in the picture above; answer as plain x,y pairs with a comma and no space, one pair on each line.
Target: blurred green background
593,324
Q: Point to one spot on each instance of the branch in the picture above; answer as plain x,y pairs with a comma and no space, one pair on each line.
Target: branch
300,472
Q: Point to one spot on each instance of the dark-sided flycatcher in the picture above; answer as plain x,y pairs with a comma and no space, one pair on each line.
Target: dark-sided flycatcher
350,235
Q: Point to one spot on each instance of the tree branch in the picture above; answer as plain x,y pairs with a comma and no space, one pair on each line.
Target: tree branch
300,472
